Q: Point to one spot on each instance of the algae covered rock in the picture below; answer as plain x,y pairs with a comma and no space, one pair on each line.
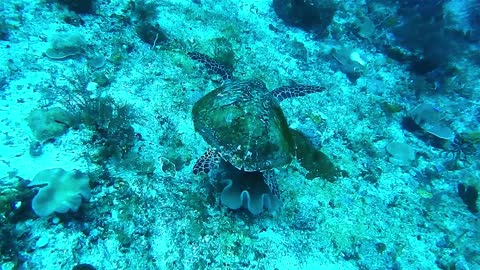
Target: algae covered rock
66,45
48,124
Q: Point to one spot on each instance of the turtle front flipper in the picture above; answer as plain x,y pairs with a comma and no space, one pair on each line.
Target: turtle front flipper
212,65
207,162
292,91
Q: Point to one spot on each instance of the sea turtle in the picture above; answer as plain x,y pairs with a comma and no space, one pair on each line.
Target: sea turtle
245,126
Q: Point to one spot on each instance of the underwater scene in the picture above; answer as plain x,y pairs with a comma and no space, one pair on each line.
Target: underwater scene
239,134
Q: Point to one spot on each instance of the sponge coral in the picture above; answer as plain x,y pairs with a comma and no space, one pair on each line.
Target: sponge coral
63,191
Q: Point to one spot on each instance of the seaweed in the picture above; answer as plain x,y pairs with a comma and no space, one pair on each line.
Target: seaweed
79,6
4,27
111,121
144,11
314,16
144,14
469,195
151,34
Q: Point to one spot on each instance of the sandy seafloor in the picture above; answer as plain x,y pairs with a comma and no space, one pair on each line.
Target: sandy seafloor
380,215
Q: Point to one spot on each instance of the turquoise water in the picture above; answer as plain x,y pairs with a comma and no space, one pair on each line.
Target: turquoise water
243,134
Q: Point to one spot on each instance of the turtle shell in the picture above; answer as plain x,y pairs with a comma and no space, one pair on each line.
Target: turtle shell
245,124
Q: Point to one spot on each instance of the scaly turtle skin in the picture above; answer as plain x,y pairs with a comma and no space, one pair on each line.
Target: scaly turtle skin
244,124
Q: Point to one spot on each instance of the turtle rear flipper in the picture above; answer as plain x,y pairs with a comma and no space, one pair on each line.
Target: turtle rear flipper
292,91
207,162
271,181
